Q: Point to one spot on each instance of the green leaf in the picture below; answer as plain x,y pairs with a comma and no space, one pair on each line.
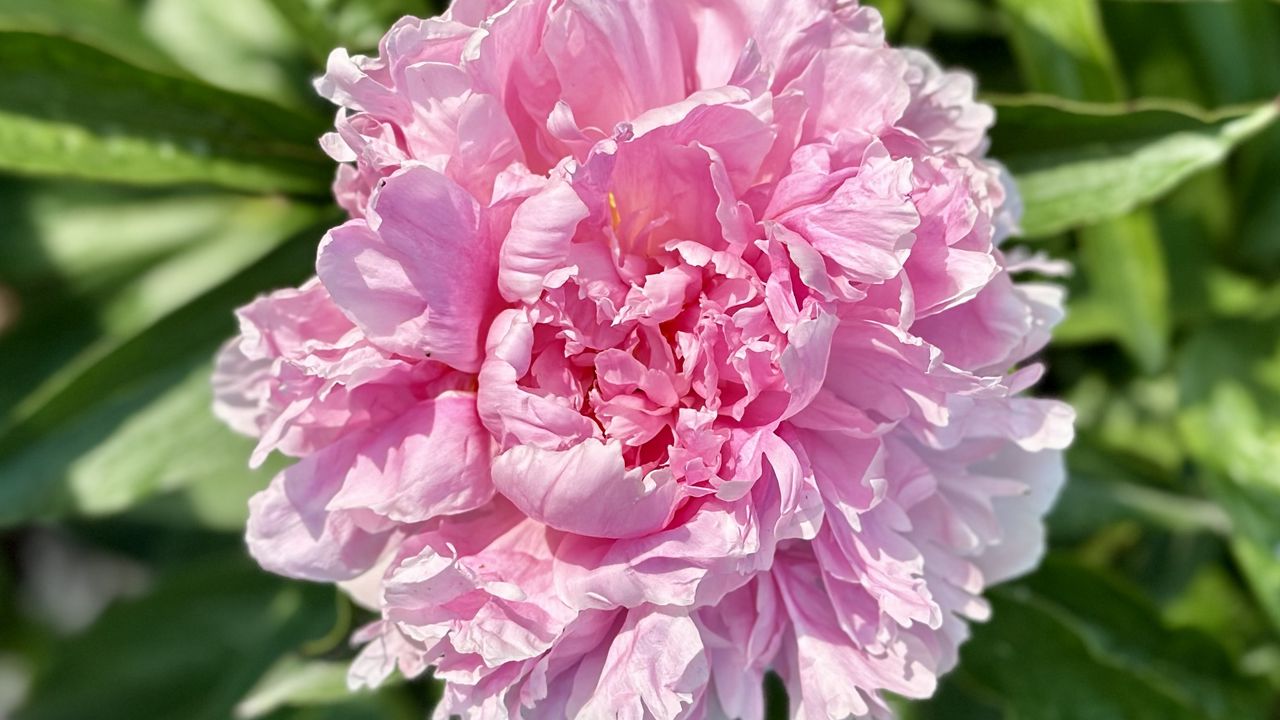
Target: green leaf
1233,46
1125,265
187,651
1080,163
245,231
241,45
109,25
1216,604
1230,378
87,237
310,24
71,110
968,17
1062,48
358,25
295,682
87,263
169,442
130,416
1071,644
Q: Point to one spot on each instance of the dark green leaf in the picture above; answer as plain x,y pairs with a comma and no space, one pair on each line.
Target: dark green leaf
71,110
1070,644
187,651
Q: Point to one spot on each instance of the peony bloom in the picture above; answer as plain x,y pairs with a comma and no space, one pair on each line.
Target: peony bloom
669,344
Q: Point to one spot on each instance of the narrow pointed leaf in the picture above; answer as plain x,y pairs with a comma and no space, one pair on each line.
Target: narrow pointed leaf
68,109
1082,163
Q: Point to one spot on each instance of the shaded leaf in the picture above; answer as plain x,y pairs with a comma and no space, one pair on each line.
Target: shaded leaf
1071,644
187,651
71,110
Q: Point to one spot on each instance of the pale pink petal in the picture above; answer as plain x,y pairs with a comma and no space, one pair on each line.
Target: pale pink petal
655,669
538,243
420,277
432,461
554,487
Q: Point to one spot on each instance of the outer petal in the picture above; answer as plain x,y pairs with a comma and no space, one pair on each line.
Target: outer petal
419,277
291,534
1021,518
432,461
655,669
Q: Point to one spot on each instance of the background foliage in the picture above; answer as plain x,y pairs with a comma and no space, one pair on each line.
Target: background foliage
158,167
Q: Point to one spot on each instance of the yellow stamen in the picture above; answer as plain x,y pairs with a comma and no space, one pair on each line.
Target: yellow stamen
613,211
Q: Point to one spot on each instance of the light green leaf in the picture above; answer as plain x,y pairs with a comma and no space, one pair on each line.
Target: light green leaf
86,237
129,417
311,24
71,110
249,230
956,16
1230,379
241,45
171,442
1080,163
109,25
359,24
86,263
1062,48
1124,263
295,682
1215,603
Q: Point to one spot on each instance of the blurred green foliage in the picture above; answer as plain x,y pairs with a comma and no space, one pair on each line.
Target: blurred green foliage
158,168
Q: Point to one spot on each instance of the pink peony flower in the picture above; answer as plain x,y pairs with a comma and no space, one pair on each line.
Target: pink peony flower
669,344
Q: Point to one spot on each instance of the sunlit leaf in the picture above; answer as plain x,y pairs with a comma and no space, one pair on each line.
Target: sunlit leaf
71,110
294,682
1230,377
1081,163
1062,48
110,25
240,45
1126,270
130,416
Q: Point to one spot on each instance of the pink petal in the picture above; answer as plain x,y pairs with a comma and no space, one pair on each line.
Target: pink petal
554,487
419,277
